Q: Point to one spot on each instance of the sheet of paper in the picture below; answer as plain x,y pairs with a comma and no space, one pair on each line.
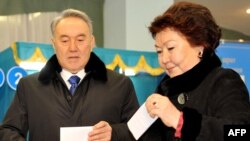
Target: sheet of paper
140,122
74,133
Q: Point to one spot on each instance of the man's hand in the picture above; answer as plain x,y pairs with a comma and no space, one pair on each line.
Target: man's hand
101,132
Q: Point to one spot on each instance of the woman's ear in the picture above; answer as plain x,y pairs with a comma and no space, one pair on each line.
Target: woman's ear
200,51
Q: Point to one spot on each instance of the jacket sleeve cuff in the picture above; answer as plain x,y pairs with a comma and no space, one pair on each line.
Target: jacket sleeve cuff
179,126
192,124
120,131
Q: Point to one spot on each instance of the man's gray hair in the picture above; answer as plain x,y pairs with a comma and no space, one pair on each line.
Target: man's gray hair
71,13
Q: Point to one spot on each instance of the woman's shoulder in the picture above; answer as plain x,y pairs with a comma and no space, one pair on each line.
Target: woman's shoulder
221,72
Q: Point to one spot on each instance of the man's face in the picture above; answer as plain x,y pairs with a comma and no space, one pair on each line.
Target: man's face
73,43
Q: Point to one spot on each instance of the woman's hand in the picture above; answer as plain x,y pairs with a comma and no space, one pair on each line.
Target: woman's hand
162,107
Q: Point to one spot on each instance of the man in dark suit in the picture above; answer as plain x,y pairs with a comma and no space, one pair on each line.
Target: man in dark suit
73,89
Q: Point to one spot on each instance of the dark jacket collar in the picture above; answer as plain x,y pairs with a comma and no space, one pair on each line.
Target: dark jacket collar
94,66
190,79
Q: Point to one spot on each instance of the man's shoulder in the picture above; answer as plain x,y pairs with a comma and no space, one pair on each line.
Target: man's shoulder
115,75
29,77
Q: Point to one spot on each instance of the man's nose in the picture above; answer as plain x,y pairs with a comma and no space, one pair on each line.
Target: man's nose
73,45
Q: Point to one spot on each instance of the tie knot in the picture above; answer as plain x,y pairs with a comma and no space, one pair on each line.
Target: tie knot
74,79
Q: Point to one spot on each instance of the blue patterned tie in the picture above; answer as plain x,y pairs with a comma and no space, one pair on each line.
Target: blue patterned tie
73,80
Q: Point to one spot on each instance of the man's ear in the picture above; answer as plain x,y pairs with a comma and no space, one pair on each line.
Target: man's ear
53,43
92,42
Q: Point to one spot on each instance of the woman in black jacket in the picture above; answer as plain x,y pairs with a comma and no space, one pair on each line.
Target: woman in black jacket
198,97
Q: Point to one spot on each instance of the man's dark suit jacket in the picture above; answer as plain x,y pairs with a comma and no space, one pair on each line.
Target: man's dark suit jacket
43,103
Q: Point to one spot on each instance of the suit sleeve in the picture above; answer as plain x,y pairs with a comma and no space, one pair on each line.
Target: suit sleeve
15,124
130,105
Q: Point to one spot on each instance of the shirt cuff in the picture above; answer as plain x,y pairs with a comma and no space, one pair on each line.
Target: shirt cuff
179,126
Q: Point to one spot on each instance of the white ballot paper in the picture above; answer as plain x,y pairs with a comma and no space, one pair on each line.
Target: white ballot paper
140,122
75,133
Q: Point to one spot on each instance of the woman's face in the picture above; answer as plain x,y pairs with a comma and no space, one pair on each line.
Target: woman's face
175,54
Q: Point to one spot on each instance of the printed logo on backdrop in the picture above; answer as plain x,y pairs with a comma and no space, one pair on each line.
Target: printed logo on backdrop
1,78
14,75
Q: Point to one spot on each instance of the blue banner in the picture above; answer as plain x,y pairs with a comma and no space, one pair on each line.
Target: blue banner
236,56
232,55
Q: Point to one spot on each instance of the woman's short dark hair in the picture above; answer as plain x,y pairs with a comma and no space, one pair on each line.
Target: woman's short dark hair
194,21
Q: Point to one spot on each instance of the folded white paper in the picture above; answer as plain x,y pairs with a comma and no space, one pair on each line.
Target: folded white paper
140,122
75,133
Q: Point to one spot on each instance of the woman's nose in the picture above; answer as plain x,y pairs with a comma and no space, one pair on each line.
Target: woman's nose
165,57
